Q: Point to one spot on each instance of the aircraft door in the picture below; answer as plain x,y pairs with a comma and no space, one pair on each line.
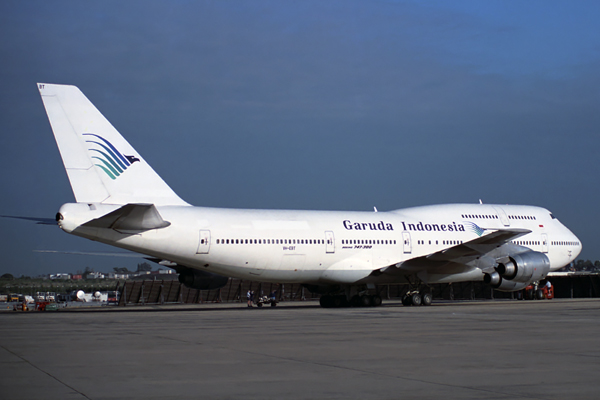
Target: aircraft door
329,242
204,242
544,242
406,242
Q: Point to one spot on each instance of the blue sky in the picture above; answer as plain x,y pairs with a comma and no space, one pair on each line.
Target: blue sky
308,105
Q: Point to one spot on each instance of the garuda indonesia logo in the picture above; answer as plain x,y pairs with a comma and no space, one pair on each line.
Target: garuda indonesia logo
474,228
107,157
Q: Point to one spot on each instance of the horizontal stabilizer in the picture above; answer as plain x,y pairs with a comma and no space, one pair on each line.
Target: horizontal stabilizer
39,221
130,217
90,253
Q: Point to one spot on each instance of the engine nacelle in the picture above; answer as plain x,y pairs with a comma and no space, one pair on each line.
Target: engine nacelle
525,267
510,286
494,279
201,280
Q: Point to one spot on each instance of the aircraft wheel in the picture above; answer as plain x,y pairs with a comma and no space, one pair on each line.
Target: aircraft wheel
376,300
366,301
539,294
326,301
529,294
345,302
355,301
416,299
406,301
340,301
259,305
337,302
426,298
520,295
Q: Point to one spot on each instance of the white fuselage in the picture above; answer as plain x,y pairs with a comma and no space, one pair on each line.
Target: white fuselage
323,247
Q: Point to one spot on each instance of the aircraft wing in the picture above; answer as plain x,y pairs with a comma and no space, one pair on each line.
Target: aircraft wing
478,247
459,254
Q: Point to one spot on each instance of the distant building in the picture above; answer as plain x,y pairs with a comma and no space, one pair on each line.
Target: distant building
113,275
60,276
95,275
163,272
76,277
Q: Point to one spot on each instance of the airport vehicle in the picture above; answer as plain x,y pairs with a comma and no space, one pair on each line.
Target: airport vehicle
262,300
45,296
533,291
123,202
45,305
112,297
548,292
14,297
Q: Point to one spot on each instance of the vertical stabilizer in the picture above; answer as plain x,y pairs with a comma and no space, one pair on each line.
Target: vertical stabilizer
101,165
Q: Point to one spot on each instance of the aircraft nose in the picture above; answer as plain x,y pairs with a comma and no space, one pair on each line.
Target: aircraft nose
578,246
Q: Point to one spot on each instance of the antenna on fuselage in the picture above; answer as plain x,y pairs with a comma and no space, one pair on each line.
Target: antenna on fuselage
480,202
375,208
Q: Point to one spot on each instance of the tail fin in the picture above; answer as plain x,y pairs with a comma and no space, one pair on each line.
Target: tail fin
101,165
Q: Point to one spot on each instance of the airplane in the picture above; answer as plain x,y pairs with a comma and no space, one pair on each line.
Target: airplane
121,201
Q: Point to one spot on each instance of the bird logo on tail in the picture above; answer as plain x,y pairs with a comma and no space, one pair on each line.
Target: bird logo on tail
107,157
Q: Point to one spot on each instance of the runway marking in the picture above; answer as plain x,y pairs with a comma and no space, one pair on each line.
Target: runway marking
47,373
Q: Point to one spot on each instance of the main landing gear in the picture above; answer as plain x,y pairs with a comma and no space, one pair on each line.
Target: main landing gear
336,301
417,298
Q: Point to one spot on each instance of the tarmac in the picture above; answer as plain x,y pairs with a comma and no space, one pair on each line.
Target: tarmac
506,349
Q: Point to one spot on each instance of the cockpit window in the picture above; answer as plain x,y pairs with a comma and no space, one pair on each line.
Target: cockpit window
552,216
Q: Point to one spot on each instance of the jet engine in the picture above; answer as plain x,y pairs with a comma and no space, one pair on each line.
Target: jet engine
525,267
201,280
519,271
